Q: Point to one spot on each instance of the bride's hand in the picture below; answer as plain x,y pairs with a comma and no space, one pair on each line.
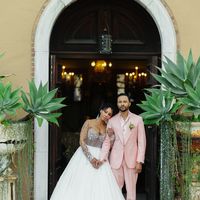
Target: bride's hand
96,163
99,163
93,162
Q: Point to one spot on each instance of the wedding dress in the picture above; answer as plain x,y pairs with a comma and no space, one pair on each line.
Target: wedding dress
80,180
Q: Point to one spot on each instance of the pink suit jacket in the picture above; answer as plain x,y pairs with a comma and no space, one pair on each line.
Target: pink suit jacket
130,147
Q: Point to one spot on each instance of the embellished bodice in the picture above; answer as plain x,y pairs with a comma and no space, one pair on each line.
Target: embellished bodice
90,137
94,138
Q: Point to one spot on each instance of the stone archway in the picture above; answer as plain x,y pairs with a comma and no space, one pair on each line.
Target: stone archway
41,49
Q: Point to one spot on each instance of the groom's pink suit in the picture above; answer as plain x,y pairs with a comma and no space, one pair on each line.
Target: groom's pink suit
128,149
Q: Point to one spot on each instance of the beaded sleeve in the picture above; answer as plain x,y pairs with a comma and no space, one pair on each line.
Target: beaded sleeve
110,134
112,139
83,137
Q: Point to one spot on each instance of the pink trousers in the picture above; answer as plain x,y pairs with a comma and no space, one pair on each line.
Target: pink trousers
127,175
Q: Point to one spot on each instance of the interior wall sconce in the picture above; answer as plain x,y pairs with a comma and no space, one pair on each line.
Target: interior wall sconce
66,75
100,65
136,75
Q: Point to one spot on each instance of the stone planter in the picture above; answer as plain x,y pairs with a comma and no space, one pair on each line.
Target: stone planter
8,187
12,139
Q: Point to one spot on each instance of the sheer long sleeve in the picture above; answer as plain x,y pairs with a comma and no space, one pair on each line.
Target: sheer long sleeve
105,149
83,137
108,143
112,139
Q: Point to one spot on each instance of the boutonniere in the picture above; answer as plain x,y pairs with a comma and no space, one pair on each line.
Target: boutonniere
131,126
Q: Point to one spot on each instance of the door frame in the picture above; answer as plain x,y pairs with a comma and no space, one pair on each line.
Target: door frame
41,71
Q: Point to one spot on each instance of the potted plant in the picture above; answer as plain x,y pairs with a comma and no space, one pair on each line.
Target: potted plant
159,107
40,104
181,83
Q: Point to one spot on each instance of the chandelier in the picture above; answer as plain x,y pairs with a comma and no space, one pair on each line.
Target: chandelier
100,65
66,75
136,75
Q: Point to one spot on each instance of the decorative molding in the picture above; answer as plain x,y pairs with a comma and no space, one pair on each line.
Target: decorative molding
169,10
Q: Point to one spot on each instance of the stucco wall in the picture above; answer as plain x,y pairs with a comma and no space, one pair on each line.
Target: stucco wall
18,19
187,15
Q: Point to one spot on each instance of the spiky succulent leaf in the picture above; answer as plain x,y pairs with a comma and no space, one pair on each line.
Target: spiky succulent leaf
192,100
183,70
9,101
158,106
171,68
41,103
39,120
174,76
166,82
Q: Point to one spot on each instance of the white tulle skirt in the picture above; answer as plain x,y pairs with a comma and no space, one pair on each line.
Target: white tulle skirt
80,181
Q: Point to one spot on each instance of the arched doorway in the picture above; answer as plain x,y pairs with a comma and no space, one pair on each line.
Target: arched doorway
41,57
75,43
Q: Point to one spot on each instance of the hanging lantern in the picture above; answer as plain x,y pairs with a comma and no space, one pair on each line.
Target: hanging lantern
105,44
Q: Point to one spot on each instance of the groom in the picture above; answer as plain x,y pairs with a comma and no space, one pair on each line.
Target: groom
128,148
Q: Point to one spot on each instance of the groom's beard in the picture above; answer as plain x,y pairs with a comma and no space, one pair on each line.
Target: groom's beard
123,109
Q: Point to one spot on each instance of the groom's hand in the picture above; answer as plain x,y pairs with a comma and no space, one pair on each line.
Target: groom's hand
138,167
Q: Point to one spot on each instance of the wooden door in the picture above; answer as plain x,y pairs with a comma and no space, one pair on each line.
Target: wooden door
151,158
151,164
55,150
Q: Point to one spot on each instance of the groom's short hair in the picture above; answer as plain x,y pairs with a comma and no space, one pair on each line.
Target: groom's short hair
124,94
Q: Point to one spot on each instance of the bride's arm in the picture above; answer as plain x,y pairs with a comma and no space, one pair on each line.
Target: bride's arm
107,144
83,137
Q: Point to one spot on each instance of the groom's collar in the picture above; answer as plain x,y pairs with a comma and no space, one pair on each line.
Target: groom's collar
129,115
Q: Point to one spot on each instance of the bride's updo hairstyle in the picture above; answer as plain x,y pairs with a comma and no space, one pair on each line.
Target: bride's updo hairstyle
104,106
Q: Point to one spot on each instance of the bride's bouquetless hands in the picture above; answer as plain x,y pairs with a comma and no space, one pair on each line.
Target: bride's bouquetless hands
96,163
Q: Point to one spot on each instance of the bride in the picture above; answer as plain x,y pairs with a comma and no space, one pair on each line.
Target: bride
86,177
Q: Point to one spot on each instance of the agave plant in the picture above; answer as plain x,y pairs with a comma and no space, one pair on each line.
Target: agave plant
9,101
159,105
158,108
192,100
180,91
38,103
16,137
182,79
177,76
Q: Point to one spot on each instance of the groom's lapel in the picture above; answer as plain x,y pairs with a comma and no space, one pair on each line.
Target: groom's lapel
127,135
129,131
118,124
